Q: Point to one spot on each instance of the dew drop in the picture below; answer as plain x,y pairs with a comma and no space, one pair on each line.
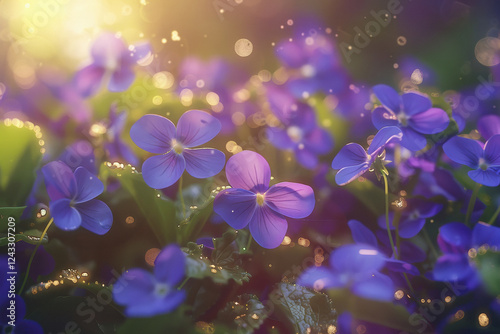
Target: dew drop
243,47
401,40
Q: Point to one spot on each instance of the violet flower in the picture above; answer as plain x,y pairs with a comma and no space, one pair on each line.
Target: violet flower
412,113
72,198
252,202
157,134
145,294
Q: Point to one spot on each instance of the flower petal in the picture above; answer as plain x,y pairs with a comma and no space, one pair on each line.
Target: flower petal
412,140
140,51
388,97
350,155
376,287
492,150
361,234
464,151
59,180
429,122
108,49
382,117
489,126
88,185
153,133
156,306
96,216
306,158
415,103
356,259
121,79
170,265
267,227
485,234
280,138
203,162
348,174
319,278
401,267
134,286
162,171
235,206
383,137
454,237
65,216
451,267
409,228
318,141
489,177
248,170
290,199
88,80
196,127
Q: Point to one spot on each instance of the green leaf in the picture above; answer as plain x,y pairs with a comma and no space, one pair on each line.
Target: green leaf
10,215
200,266
29,236
159,212
489,268
377,312
192,226
372,197
307,310
20,152
244,315
169,323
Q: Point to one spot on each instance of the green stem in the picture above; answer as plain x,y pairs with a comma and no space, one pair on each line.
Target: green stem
472,202
494,217
249,243
33,254
183,283
395,223
181,198
429,242
386,186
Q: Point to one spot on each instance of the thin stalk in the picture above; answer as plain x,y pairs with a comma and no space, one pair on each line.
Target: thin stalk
494,217
249,243
33,254
386,186
472,202
183,283
181,198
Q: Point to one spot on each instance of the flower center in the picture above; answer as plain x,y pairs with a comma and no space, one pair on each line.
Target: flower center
403,118
483,164
161,289
260,199
295,133
177,147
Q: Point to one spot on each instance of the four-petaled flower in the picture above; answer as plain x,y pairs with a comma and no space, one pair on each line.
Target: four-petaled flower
485,161
412,113
352,160
157,134
146,295
72,198
113,59
252,202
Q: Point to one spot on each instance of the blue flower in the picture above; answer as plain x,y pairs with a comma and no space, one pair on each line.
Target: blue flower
157,134
144,294
299,131
352,160
72,198
356,267
484,161
116,148
412,113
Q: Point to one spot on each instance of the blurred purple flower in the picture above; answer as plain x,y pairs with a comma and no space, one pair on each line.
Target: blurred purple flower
485,161
489,126
299,131
79,154
157,134
116,148
411,112
146,295
354,266
252,202
413,217
113,59
352,160
72,198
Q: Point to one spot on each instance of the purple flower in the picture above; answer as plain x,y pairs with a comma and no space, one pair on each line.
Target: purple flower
484,161
72,198
116,148
455,241
146,295
157,134
489,126
412,113
353,266
299,131
112,58
352,160
413,217
252,202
